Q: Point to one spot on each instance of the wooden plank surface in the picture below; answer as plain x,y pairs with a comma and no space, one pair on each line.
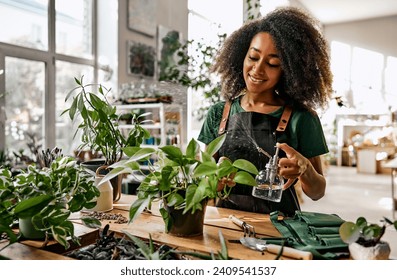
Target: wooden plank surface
152,225
215,216
19,251
216,220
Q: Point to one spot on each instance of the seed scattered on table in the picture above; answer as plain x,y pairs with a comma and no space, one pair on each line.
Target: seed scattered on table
117,217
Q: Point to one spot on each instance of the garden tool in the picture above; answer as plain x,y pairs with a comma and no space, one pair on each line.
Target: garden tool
247,228
262,245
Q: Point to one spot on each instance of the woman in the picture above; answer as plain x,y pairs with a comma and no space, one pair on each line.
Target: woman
273,68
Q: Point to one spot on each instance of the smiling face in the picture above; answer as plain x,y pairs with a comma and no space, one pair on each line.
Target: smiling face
262,65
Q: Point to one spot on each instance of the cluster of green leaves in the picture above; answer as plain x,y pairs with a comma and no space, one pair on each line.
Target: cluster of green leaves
363,232
182,180
100,122
48,196
8,200
194,61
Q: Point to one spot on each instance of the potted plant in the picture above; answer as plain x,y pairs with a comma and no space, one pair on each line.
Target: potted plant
100,126
183,181
43,200
7,202
365,239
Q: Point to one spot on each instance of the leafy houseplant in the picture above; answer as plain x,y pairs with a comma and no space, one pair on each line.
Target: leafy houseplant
47,197
99,126
364,238
7,203
183,181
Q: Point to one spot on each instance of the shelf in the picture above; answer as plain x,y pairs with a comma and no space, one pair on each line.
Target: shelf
167,118
147,126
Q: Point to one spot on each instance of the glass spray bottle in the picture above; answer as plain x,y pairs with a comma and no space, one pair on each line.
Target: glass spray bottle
270,183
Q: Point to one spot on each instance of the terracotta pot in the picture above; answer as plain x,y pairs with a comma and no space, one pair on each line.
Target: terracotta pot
380,251
188,224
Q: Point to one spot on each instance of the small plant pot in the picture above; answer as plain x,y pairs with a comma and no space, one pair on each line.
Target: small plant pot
185,225
28,230
94,165
380,251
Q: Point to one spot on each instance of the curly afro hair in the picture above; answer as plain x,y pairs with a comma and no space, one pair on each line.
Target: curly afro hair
307,79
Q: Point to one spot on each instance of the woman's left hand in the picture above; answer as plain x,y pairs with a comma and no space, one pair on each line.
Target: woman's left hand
293,166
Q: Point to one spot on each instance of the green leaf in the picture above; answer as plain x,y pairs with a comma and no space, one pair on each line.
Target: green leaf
361,222
143,153
246,166
166,218
143,247
137,207
73,108
174,199
205,169
192,149
32,206
194,198
59,217
349,232
116,171
215,144
244,178
97,103
206,157
172,152
130,151
91,222
223,254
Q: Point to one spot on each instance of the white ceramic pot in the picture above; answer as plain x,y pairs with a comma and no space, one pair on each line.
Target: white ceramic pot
105,200
380,251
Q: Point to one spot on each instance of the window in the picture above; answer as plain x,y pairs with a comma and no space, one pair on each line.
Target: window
39,58
74,27
24,102
32,31
391,82
362,77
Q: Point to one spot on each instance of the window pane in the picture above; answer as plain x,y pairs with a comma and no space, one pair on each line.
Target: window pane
74,27
24,104
28,20
340,67
390,75
65,129
367,68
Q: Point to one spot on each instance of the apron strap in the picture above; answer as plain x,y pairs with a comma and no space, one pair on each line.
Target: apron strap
282,124
224,119
280,127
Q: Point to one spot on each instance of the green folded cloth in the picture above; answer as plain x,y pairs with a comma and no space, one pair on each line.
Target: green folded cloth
319,219
321,236
314,232
323,230
332,241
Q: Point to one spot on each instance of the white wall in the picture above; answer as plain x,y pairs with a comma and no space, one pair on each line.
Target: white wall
376,34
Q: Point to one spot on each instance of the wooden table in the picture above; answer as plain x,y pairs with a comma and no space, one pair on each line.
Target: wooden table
216,220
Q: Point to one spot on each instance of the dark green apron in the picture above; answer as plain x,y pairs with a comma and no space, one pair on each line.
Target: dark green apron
245,132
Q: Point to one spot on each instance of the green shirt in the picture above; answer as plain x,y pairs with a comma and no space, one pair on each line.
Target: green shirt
304,132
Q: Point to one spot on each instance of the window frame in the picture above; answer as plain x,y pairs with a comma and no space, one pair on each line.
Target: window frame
49,58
